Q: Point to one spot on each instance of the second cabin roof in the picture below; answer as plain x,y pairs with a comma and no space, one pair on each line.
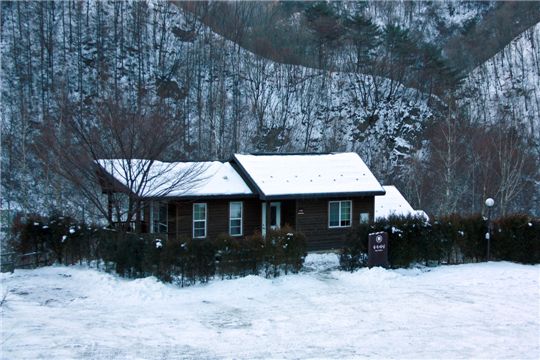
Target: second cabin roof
293,175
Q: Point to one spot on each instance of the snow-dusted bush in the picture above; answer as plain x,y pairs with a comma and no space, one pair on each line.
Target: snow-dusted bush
239,256
64,238
27,234
354,254
462,238
282,251
122,252
451,239
285,249
517,238
189,261
409,242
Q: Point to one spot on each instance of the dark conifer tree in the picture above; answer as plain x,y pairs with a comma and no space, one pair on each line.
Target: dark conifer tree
325,26
365,37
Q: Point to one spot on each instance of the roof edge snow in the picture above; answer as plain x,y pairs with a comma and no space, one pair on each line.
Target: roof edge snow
307,175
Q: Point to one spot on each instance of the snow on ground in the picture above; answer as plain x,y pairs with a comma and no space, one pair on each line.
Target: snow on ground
487,310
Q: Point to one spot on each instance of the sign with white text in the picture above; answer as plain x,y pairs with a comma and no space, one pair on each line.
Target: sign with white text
378,249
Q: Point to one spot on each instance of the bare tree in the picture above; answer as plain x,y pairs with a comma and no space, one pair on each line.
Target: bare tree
513,164
119,150
447,158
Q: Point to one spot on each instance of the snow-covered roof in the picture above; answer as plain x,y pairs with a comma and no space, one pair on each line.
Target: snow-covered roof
393,203
177,179
309,174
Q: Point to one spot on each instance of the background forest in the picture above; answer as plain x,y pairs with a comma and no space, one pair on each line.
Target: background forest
439,98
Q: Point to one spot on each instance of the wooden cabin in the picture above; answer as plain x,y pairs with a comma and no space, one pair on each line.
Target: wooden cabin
320,195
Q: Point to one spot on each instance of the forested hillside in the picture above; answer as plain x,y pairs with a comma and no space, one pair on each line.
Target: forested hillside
204,80
506,88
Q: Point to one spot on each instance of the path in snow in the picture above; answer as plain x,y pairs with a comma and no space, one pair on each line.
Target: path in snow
478,310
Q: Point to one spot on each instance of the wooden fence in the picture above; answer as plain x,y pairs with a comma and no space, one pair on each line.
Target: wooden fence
10,261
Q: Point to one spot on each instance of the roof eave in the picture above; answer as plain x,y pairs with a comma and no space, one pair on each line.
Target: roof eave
200,197
324,195
244,174
113,184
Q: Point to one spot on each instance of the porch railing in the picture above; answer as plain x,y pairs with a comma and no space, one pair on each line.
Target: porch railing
130,226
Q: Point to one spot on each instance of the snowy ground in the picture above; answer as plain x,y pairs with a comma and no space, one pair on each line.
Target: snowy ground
466,311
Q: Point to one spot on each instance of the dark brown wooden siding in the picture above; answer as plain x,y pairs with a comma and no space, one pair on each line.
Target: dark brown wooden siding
217,217
313,223
288,213
252,216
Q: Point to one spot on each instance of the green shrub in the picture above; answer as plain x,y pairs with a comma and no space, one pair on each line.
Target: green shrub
450,239
228,256
354,254
285,250
202,258
294,250
408,242
28,234
516,238
402,243
469,236
65,238
252,250
239,256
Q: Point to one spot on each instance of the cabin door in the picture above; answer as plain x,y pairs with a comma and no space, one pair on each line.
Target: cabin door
275,216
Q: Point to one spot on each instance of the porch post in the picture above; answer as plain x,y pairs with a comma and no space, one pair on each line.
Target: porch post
138,208
268,217
109,207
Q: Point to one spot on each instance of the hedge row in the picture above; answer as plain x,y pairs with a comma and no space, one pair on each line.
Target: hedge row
450,240
185,261
188,261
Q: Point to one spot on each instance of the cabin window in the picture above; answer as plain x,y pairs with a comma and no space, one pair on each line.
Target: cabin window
199,220
339,213
235,218
364,218
158,217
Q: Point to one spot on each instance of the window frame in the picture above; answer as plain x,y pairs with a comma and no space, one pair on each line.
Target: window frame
339,202
366,220
155,207
241,218
205,221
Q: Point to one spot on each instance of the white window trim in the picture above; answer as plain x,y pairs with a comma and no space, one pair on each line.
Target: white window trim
241,218
165,224
339,214
193,221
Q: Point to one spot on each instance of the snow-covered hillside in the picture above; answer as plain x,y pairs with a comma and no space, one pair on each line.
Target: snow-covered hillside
507,87
159,58
487,310
435,20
